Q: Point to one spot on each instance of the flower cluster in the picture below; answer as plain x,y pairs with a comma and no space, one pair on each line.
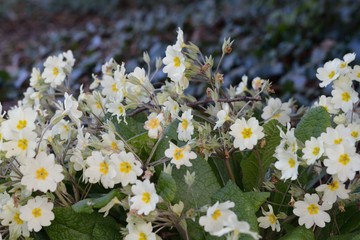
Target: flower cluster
100,149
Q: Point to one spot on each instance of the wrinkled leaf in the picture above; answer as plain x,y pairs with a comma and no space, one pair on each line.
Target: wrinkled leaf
299,233
166,187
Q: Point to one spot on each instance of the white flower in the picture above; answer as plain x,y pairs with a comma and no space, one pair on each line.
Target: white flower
140,231
180,155
313,150
69,59
111,144
62,128
78,160
19,119
236,228
21,145
355,73
174,63
112,88
288,164
99,169
145,198
216,216
180,40
246,133
344,97
333,190
35,79
333,137
242,87
38,213
117,109
326,102
343,161
10,216
344,64
54,71
153,124
172,107
275,109
69,108
185,128
310,212
222,116
354,131
288,140
96,103
328,73
269,220
41,173
127,168
139,89
257,83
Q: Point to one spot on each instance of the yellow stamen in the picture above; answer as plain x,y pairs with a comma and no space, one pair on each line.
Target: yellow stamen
55,71
178,154
184,124
272,218
125,167
36,212
316,151
313,209
344,159
114,147
153,123
41,174
176,61
104,168
333,186
354,134
17,219
331,74
114,88
338,141
216,214
21,124
146,197
23,144
291,163
142,236
246,133
345,96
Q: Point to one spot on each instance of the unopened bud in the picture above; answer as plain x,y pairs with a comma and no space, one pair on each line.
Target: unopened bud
146,57
219,78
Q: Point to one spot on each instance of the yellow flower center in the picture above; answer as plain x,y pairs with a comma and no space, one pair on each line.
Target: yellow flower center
142,236
23,144
55,71
343,65
276,116
344,159
17,219
338,141
21,124
125,167
146,197
246,133
178,154
121,109
153,123
358,75
331,74
104,168
41,174
354,134
36,212
216,214
176,61
272,218
98,105
316,151
333,186
345,96
66,128
291,163
114,88
184,124
313,209
114,146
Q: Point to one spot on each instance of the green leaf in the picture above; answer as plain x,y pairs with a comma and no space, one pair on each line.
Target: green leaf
349,236
299,233
204,186
134,126
166,187
71,225
312,124
87,205
255,166
246,203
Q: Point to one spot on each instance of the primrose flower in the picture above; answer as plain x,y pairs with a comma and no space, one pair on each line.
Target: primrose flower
172,107
328,73
355,73
344,64
269,220
180,155
333,190
41,173
343,161
242,87
216,216
10,215
246,133
127,168
288,164
100,169
223,116
153,124
140,230
54,70
275,109
37,213
185,128
326,102
344,96
145,198
257,83
313,150
174,62
310,212
21,145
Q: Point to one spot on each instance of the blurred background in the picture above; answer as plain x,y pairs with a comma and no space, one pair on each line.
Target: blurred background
284,41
